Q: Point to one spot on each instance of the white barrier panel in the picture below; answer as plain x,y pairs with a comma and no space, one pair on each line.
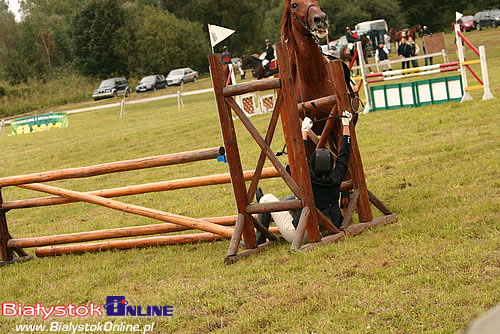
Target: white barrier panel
417,93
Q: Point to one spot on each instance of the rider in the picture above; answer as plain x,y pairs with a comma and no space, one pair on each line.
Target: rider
351,39
326,175
269,54
226,56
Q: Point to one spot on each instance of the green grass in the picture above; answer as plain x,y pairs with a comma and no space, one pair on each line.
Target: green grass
433,271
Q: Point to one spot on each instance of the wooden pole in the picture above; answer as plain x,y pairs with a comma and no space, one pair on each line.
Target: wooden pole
379,204
232,151
301,228
236,237
135,209
353,201
122,232
293,136
249,87
262,158
113,167
275,206
5,253
265,148
142,189
128,244
355,162
352,230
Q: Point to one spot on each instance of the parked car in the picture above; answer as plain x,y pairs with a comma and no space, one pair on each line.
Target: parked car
181,76
487,18
111,88
152,82
466,23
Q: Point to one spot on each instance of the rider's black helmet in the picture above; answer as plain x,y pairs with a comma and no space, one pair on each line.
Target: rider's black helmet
321,162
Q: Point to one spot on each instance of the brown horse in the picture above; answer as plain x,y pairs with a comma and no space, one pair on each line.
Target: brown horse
302,23
412,31
396,35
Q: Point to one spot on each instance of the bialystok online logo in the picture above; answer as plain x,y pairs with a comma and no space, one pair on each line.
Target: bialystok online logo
116,306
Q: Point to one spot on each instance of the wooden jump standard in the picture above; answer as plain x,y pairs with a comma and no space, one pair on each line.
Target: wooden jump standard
299,180
216,227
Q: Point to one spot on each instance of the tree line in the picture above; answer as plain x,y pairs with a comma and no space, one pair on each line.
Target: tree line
101,38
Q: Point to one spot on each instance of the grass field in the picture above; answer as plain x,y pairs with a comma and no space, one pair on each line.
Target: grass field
433,271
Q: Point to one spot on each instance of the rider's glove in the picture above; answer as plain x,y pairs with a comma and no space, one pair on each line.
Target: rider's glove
307,124
346,118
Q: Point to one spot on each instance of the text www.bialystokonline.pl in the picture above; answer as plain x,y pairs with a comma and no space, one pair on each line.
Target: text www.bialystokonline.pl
109,326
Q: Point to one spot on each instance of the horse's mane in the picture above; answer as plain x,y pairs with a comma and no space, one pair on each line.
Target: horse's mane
286,33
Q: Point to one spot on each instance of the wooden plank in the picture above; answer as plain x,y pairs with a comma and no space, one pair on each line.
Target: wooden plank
128,244
355,162
113,167
235,258
142,189
249,87
301,228
275,206
350,209
236,237
262,229
351,231
262,158
265,148
322,103
121,232
378,203
326,223
135,209
232,150
293,136
5,253
328,127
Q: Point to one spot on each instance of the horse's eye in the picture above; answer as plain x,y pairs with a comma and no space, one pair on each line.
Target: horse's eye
294,5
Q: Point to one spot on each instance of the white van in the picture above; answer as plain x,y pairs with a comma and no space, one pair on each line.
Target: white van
377,25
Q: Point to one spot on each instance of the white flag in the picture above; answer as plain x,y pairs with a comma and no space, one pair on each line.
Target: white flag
218,34
458,16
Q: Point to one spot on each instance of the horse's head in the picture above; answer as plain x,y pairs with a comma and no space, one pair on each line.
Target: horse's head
306,17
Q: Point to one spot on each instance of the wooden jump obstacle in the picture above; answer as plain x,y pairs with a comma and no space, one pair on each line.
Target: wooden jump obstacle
216,228
299,181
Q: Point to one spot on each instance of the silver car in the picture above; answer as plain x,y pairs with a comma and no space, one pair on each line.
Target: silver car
181,76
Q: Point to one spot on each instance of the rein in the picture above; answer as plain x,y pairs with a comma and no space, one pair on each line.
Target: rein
305,24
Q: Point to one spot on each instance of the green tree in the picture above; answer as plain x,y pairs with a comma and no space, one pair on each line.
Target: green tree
99,39
245,17
164,42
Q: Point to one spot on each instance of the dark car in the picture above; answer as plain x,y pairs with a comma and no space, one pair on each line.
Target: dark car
466,23
152,82
487,18
111,88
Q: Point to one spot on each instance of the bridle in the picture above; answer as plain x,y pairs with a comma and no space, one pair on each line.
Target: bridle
306,24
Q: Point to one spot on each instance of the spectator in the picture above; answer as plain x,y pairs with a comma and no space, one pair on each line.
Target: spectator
414,51
381,55
404,51
226,56
387,42
426,32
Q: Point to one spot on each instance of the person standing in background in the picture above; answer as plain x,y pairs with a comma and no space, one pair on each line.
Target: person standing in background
404,51
414,51
426,32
